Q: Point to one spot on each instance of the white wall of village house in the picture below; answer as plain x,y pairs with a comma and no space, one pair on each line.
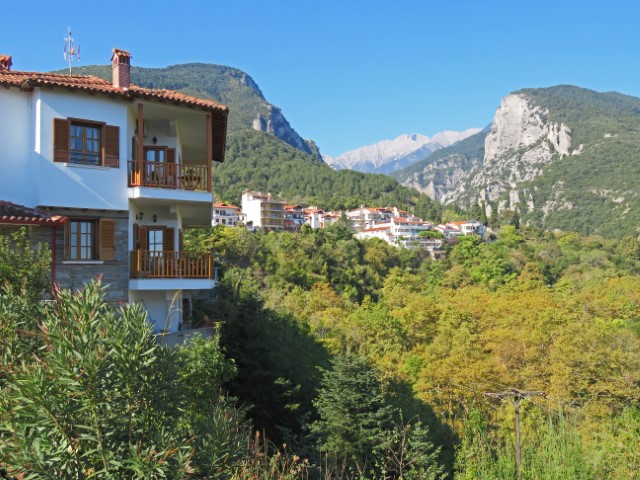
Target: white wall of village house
157,303
78,186
16,138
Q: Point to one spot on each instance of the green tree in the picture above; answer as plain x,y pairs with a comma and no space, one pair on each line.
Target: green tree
354,415
97,398
22,267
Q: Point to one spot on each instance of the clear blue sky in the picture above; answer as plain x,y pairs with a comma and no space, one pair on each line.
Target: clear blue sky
348,73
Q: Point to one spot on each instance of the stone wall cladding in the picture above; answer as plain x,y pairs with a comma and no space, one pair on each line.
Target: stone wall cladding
115,274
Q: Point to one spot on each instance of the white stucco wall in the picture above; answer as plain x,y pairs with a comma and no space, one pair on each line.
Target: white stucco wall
16,138
157,303
78,186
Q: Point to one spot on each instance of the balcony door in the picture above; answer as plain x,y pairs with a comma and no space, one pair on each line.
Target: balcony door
160,167
156,245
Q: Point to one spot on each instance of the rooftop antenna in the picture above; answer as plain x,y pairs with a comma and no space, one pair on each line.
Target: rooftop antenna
70,50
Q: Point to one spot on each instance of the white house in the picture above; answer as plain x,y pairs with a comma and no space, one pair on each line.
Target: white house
400,231
364,217
227,215
129,168
456,229
294,217
263,211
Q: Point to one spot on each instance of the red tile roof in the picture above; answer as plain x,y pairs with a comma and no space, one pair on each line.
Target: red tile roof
224,205
376,229
17,214
93,84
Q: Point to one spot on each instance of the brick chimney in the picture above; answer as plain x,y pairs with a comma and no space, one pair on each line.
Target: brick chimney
5,62
121,68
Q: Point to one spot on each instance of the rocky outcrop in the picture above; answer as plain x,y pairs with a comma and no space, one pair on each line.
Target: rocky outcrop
273,121
521,143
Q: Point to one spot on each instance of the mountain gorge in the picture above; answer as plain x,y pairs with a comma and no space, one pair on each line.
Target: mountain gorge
564,157
389,156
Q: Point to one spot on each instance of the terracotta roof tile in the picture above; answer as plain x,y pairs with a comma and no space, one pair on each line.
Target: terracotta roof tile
224,205
18,214
90,83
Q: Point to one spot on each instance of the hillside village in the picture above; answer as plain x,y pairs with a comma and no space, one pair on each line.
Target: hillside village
338,343
398,228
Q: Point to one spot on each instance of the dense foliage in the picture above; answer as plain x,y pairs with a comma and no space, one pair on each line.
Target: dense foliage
355,358
533,310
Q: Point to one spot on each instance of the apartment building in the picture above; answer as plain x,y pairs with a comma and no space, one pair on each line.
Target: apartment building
263,211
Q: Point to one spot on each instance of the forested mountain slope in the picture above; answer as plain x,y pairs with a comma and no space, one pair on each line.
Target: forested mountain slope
259,161
564,157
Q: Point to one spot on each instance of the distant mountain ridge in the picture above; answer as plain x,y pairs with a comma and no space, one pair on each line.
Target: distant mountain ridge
388,156
564,157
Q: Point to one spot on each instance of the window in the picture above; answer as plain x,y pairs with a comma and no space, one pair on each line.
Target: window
82,240
85,144
155,240
89,239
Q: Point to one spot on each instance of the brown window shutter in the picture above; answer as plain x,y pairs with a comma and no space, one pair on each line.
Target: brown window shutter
171,155
61,140
107,239
136,236
143,239
169,243
111,147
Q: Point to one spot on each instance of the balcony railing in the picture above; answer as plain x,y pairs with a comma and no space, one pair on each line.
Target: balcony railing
169,175
170,264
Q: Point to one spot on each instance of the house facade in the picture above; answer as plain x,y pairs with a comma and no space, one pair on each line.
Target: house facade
263,211
129,168
227,215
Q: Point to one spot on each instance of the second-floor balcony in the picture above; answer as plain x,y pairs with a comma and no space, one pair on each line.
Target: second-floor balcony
177,176
147,264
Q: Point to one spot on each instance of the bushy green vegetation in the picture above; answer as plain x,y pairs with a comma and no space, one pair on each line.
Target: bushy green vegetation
532,310
351,359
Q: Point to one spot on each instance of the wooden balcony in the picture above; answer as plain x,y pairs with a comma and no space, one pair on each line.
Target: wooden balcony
169,175
171,264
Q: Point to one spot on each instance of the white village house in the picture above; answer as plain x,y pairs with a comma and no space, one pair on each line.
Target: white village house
227,215
118,172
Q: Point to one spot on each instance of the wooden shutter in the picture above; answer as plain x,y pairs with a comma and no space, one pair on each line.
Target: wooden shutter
134,148
61,140
171,155
169,242
107,239
143,241
111,147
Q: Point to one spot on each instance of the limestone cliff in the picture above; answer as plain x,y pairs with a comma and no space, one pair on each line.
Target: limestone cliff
563,157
